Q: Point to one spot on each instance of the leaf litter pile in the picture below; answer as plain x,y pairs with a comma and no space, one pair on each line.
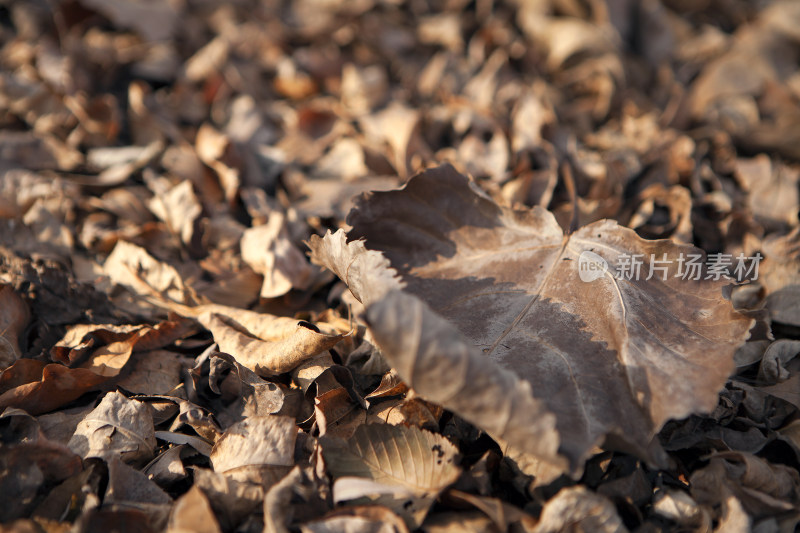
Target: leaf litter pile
387,266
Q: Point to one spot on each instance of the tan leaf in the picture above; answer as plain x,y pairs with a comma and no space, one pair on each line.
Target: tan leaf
269,251
135,269
772,189
780,274
273,352
357,519
178,208
118,427
578,509
256,441
192,513
14,317
405,467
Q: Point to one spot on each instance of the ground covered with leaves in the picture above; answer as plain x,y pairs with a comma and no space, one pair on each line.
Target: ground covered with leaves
393,266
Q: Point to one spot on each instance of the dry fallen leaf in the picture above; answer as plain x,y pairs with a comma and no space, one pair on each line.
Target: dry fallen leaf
278,344
613,357
160,167
39,387
192,513
780,275
117,427
269,252
256,441
402,467
761,488
14,317
577,509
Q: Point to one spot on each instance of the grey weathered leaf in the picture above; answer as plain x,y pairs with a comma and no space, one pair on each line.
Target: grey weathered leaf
613,357
425,348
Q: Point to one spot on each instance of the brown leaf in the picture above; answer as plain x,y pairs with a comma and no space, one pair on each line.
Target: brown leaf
14,317
39,387
29,467
413,412
136,16
252,395
132,267
231,500
613,357
128,486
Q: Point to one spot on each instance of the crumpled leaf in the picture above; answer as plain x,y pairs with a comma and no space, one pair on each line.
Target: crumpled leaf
132,267
405,467
679,507
357,519
230,499
256,441
760,487
277,346
577,509
509,281
28,467
252,395
178,207
117,427
269,251
14,317
780,274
